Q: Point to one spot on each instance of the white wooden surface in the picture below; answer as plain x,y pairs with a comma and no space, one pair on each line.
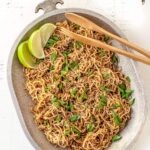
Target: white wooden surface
130,16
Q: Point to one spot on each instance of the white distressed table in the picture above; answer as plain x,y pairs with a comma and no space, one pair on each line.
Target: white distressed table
130,16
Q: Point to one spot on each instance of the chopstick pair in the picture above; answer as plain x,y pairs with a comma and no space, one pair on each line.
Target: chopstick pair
89,41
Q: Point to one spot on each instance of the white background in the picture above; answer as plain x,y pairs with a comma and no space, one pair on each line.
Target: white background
130,16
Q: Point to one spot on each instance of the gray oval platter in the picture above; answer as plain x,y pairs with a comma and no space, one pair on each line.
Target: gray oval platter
22,100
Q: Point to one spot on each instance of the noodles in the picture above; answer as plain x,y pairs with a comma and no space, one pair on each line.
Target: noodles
80,96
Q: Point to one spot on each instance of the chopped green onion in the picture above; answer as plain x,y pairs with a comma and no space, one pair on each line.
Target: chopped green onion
131,101
117,119
67,132
75,130
78,76
47,88
102,101
66,53
101,52
73,92
128,79
69,106
78,44
90,127
74,118
103,97
46,122
60,86
52,41
55,37
56,78
124,92
114,106
115,59
51,68
54,56
38,61
64,70
58,118
66,124
105,88
56,104
74,65
83,96
116,138
55,101
128,93
62,103
90,72
106,38
106,75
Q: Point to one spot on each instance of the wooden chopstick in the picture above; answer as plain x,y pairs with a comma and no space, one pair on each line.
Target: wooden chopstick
82,21
96,43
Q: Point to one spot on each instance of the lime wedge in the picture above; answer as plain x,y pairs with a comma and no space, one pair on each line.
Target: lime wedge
25,58
35,45
46,31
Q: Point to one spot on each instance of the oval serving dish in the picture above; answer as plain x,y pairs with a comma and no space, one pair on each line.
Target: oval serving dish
23,102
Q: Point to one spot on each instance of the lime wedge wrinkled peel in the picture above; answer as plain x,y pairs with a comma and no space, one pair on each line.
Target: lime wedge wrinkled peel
46,31
35,45
25,57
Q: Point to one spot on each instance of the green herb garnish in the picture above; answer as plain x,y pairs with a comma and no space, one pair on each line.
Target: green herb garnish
83,96
38,61
78,44
75,130
64,70
55,37
78,76
128,79
66,53
51,68
101,52
46,122
116,138
54,56
47,88
69,106
52,41
58,118
90,127
74,118
55,101
131,101
90,72
74,65
114,106
73,92
105,88
117,119
115,59
106,75
106,38
102,101
60,86
66,124
67,132
124,92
